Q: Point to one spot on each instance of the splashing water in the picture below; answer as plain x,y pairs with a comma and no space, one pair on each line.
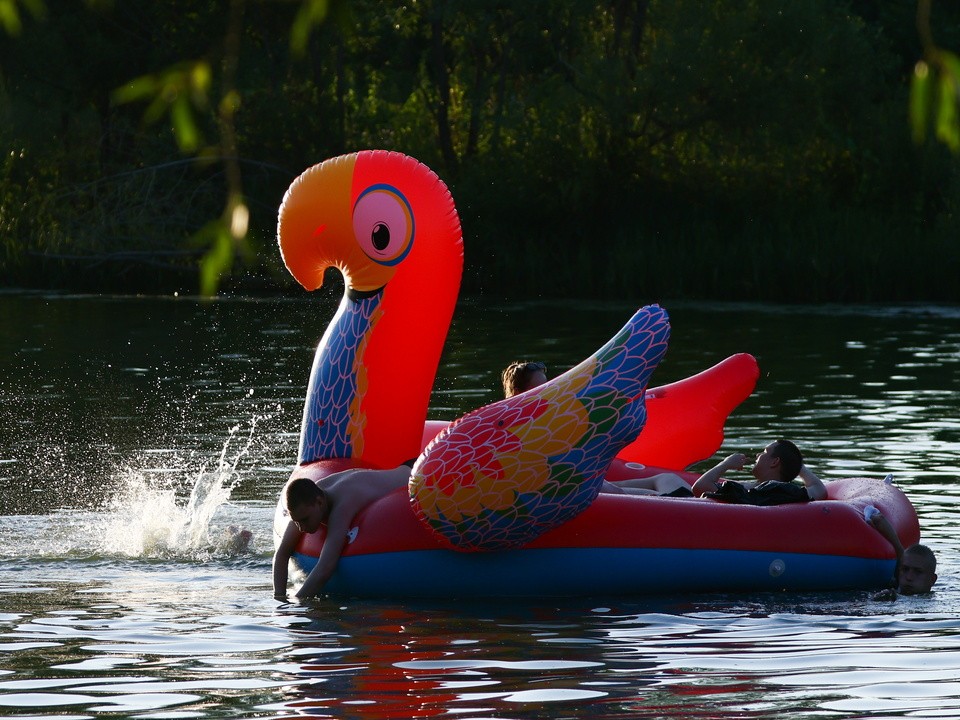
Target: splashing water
148,517
149,521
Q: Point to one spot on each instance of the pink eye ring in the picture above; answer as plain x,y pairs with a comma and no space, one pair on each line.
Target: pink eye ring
383,224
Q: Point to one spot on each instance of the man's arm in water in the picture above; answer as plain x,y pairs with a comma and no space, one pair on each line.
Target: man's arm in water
342,513
281,560
884,527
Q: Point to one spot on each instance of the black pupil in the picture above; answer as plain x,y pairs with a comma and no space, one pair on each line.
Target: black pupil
380,236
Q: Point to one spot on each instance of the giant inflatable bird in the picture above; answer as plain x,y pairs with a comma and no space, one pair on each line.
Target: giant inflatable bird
505,473
389,225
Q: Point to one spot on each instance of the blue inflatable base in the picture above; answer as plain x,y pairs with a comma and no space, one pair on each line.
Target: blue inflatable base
578,572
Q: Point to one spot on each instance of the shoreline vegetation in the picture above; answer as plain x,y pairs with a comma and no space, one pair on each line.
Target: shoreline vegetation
844,257
758,151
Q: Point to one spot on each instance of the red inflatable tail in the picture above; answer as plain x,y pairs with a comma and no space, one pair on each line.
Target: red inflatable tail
685,419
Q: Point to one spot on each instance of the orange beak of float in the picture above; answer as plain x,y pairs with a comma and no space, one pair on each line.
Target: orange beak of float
317,229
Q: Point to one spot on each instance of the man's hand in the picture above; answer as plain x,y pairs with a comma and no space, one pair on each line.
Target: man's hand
710,480
735,461
889,595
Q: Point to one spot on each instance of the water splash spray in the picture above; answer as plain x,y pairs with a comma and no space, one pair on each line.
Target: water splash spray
150,521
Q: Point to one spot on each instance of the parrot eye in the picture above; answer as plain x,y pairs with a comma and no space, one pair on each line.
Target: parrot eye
383,224
380,237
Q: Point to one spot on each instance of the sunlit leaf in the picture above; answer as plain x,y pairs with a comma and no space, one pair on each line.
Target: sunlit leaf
217,261
952,63
239,220
948,123
200,77
920,101
230,103
156,109
184,126
139,89
179,91
310,14
10,17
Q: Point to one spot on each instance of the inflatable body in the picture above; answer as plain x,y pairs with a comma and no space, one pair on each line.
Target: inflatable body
628,544
516,483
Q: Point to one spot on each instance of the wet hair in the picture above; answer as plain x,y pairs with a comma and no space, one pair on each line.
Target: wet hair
516,376
301,491
925,554
791,460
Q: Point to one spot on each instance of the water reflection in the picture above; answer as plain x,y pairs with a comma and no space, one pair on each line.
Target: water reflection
136,431
719,656
420,662
604,664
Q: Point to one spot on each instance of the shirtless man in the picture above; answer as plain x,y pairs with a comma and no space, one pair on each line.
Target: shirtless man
334,502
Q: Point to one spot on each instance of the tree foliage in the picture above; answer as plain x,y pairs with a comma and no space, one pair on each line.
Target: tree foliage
604,140
935,89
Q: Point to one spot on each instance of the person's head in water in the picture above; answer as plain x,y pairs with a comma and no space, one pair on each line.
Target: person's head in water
521,376
780,460
918,570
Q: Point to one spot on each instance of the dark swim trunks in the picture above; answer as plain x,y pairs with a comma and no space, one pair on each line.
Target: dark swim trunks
679,492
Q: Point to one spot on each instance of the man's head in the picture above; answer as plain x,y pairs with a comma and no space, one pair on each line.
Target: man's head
307,505
521,376
780,460
918,570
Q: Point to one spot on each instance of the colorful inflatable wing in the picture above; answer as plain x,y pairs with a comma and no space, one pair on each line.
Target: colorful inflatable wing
685,419
508,472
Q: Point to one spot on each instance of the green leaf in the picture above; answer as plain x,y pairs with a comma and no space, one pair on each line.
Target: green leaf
141,88
948,123
920,101
179,90
184,126
10,18
218,259
310,14
952,64
200,78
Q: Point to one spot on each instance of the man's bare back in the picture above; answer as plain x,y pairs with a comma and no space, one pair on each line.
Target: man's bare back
350,491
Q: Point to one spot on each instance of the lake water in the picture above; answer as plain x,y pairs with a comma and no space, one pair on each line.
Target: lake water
136,431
